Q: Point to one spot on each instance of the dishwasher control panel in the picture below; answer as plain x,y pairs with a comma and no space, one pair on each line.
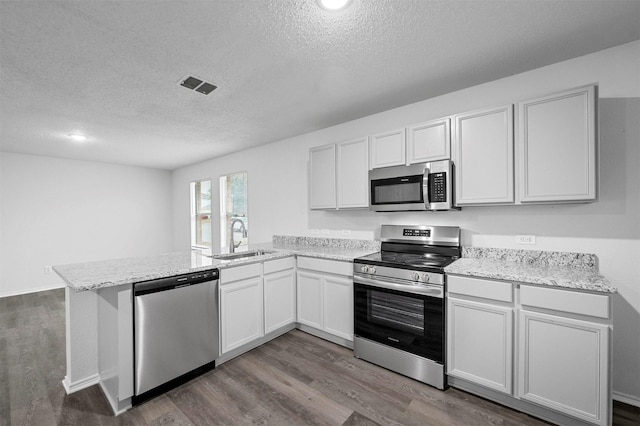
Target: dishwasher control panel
176,281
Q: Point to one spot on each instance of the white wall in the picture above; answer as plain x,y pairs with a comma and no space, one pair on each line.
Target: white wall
609,228
57,211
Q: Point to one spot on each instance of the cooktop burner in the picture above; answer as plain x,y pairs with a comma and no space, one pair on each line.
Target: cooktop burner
417,248
416,261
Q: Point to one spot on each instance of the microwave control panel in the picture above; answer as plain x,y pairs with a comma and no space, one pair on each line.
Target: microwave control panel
438,187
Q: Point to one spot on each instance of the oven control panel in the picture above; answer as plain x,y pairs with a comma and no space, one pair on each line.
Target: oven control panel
399,274
410,232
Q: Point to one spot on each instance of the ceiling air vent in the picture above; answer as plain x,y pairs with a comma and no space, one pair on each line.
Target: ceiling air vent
197,84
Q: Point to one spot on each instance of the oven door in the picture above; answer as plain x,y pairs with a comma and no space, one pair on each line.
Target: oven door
404,316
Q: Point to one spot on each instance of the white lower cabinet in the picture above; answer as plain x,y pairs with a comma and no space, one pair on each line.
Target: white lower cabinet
338,306
564,362
554,363
279,295
257,304
563,365
480,343
241,302
325,296
310,299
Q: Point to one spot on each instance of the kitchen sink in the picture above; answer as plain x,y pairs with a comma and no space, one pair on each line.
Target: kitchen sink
243,255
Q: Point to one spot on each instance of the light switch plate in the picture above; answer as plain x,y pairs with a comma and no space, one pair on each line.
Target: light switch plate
526,239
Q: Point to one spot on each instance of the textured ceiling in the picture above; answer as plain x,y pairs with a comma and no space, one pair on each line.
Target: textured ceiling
109,69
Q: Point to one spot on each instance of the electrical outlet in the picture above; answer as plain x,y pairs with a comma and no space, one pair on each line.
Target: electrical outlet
526,239
346,232
47,270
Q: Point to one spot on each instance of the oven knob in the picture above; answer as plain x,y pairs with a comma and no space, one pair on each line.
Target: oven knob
372,270
415,276
365,268
426,278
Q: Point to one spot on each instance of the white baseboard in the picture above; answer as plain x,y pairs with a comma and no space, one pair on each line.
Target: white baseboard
79,385
31,290
627,399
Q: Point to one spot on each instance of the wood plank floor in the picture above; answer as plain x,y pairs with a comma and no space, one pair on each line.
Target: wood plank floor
296,379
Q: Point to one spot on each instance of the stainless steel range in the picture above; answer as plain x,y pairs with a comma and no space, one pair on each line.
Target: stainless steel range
399,300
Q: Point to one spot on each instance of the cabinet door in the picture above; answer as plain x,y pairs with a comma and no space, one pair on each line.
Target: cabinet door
479,343
563,365
557,147
430,141
338,306
309,290
353,173
322,177
279,300
241,318
388,149
483,155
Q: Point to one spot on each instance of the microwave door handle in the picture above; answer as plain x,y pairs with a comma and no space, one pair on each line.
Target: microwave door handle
425,188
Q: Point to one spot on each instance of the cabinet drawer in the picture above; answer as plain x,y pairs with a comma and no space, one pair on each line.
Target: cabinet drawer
326,265
228,275
478,287
278,265
595,305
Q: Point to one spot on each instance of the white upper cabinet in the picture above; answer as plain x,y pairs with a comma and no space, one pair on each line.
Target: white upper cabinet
322,177
557,147
353,173
339,175
483,155
430,141
388,149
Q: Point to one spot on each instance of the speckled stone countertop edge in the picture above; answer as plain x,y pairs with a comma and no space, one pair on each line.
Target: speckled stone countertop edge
95,285
551,276
88,276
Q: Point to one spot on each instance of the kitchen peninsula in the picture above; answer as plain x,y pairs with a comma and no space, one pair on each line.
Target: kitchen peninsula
99,303
516,299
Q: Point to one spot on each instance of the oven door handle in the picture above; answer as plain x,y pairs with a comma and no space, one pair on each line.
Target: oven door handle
434,291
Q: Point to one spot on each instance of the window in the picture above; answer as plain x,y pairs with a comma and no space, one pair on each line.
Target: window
201,214
234,222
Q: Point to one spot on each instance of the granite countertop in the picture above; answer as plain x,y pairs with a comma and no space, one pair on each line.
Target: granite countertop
577,271
113,272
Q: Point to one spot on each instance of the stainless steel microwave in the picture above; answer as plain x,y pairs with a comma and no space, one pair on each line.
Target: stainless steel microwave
424,186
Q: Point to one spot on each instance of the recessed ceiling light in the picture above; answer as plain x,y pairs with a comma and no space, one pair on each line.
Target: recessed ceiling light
333,4
78,138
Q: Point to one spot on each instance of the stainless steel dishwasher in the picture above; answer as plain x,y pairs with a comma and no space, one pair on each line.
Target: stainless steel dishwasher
175,331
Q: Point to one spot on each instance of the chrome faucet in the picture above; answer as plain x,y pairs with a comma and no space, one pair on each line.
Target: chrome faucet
243,229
